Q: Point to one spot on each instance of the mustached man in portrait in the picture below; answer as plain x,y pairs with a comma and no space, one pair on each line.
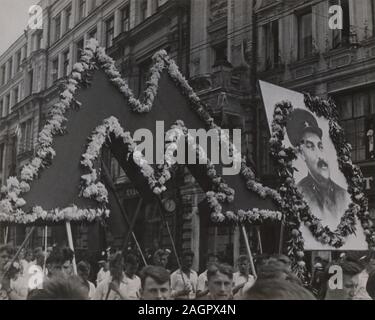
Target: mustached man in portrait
327,200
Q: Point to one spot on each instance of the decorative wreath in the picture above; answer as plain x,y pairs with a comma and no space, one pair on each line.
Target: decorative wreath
294,207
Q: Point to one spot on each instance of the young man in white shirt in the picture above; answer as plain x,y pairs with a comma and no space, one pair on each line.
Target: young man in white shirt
184,281
132,281
242,277
202,288
156,284
114,286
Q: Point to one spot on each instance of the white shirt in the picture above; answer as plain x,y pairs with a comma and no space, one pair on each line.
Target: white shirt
102,292
133,287
179,280
362,293
202,282
92,290
102,275
239,279
129,288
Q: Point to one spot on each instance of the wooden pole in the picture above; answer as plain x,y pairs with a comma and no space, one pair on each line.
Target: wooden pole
281,237
45,248
259,240
170,236
215,240
71,245
6,235
123,211
248,250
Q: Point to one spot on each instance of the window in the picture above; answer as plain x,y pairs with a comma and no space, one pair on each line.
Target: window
143,12
109,32
341,38
26,138
125,19
55,69
93,34
1,156
220,52
373,17
81,9
1,107
357,113
57,27
144,69
66,63
18,61
38,40
304,35
92,5
31,81
10,68
7,104
3,75
16,95
79,48
68,17
271,36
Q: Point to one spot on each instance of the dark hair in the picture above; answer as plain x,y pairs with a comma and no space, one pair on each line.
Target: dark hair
243,258
59,289
350,268
188,253
212,255
219,267
55,257
68,254
131,259
159,274
370,286
277,289
84,267
8,248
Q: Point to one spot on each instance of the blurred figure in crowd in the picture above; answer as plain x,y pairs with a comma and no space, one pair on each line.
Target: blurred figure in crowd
103,272
348,273
277,289
83,270
60,289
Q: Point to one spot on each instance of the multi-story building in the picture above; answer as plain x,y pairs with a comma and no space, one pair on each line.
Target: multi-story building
34,67
223,47
297,49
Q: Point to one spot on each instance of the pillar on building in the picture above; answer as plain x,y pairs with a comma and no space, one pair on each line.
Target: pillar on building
117,23
132,13
149,8
63,25
236,243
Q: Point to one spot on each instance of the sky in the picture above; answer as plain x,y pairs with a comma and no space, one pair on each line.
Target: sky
13,20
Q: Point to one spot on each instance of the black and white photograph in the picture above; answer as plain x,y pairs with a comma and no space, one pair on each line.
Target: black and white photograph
187,150
318,177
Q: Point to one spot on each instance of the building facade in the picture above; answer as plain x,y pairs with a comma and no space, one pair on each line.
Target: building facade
223,47
296,49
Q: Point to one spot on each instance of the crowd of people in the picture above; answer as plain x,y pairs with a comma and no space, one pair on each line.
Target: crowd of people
52,275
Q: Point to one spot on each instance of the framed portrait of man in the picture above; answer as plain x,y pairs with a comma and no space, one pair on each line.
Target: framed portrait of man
317,177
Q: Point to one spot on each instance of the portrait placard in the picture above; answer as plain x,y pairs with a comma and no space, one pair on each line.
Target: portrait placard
317,175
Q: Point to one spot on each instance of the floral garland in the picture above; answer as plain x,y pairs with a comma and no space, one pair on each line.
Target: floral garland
91,186
93,57
294,207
